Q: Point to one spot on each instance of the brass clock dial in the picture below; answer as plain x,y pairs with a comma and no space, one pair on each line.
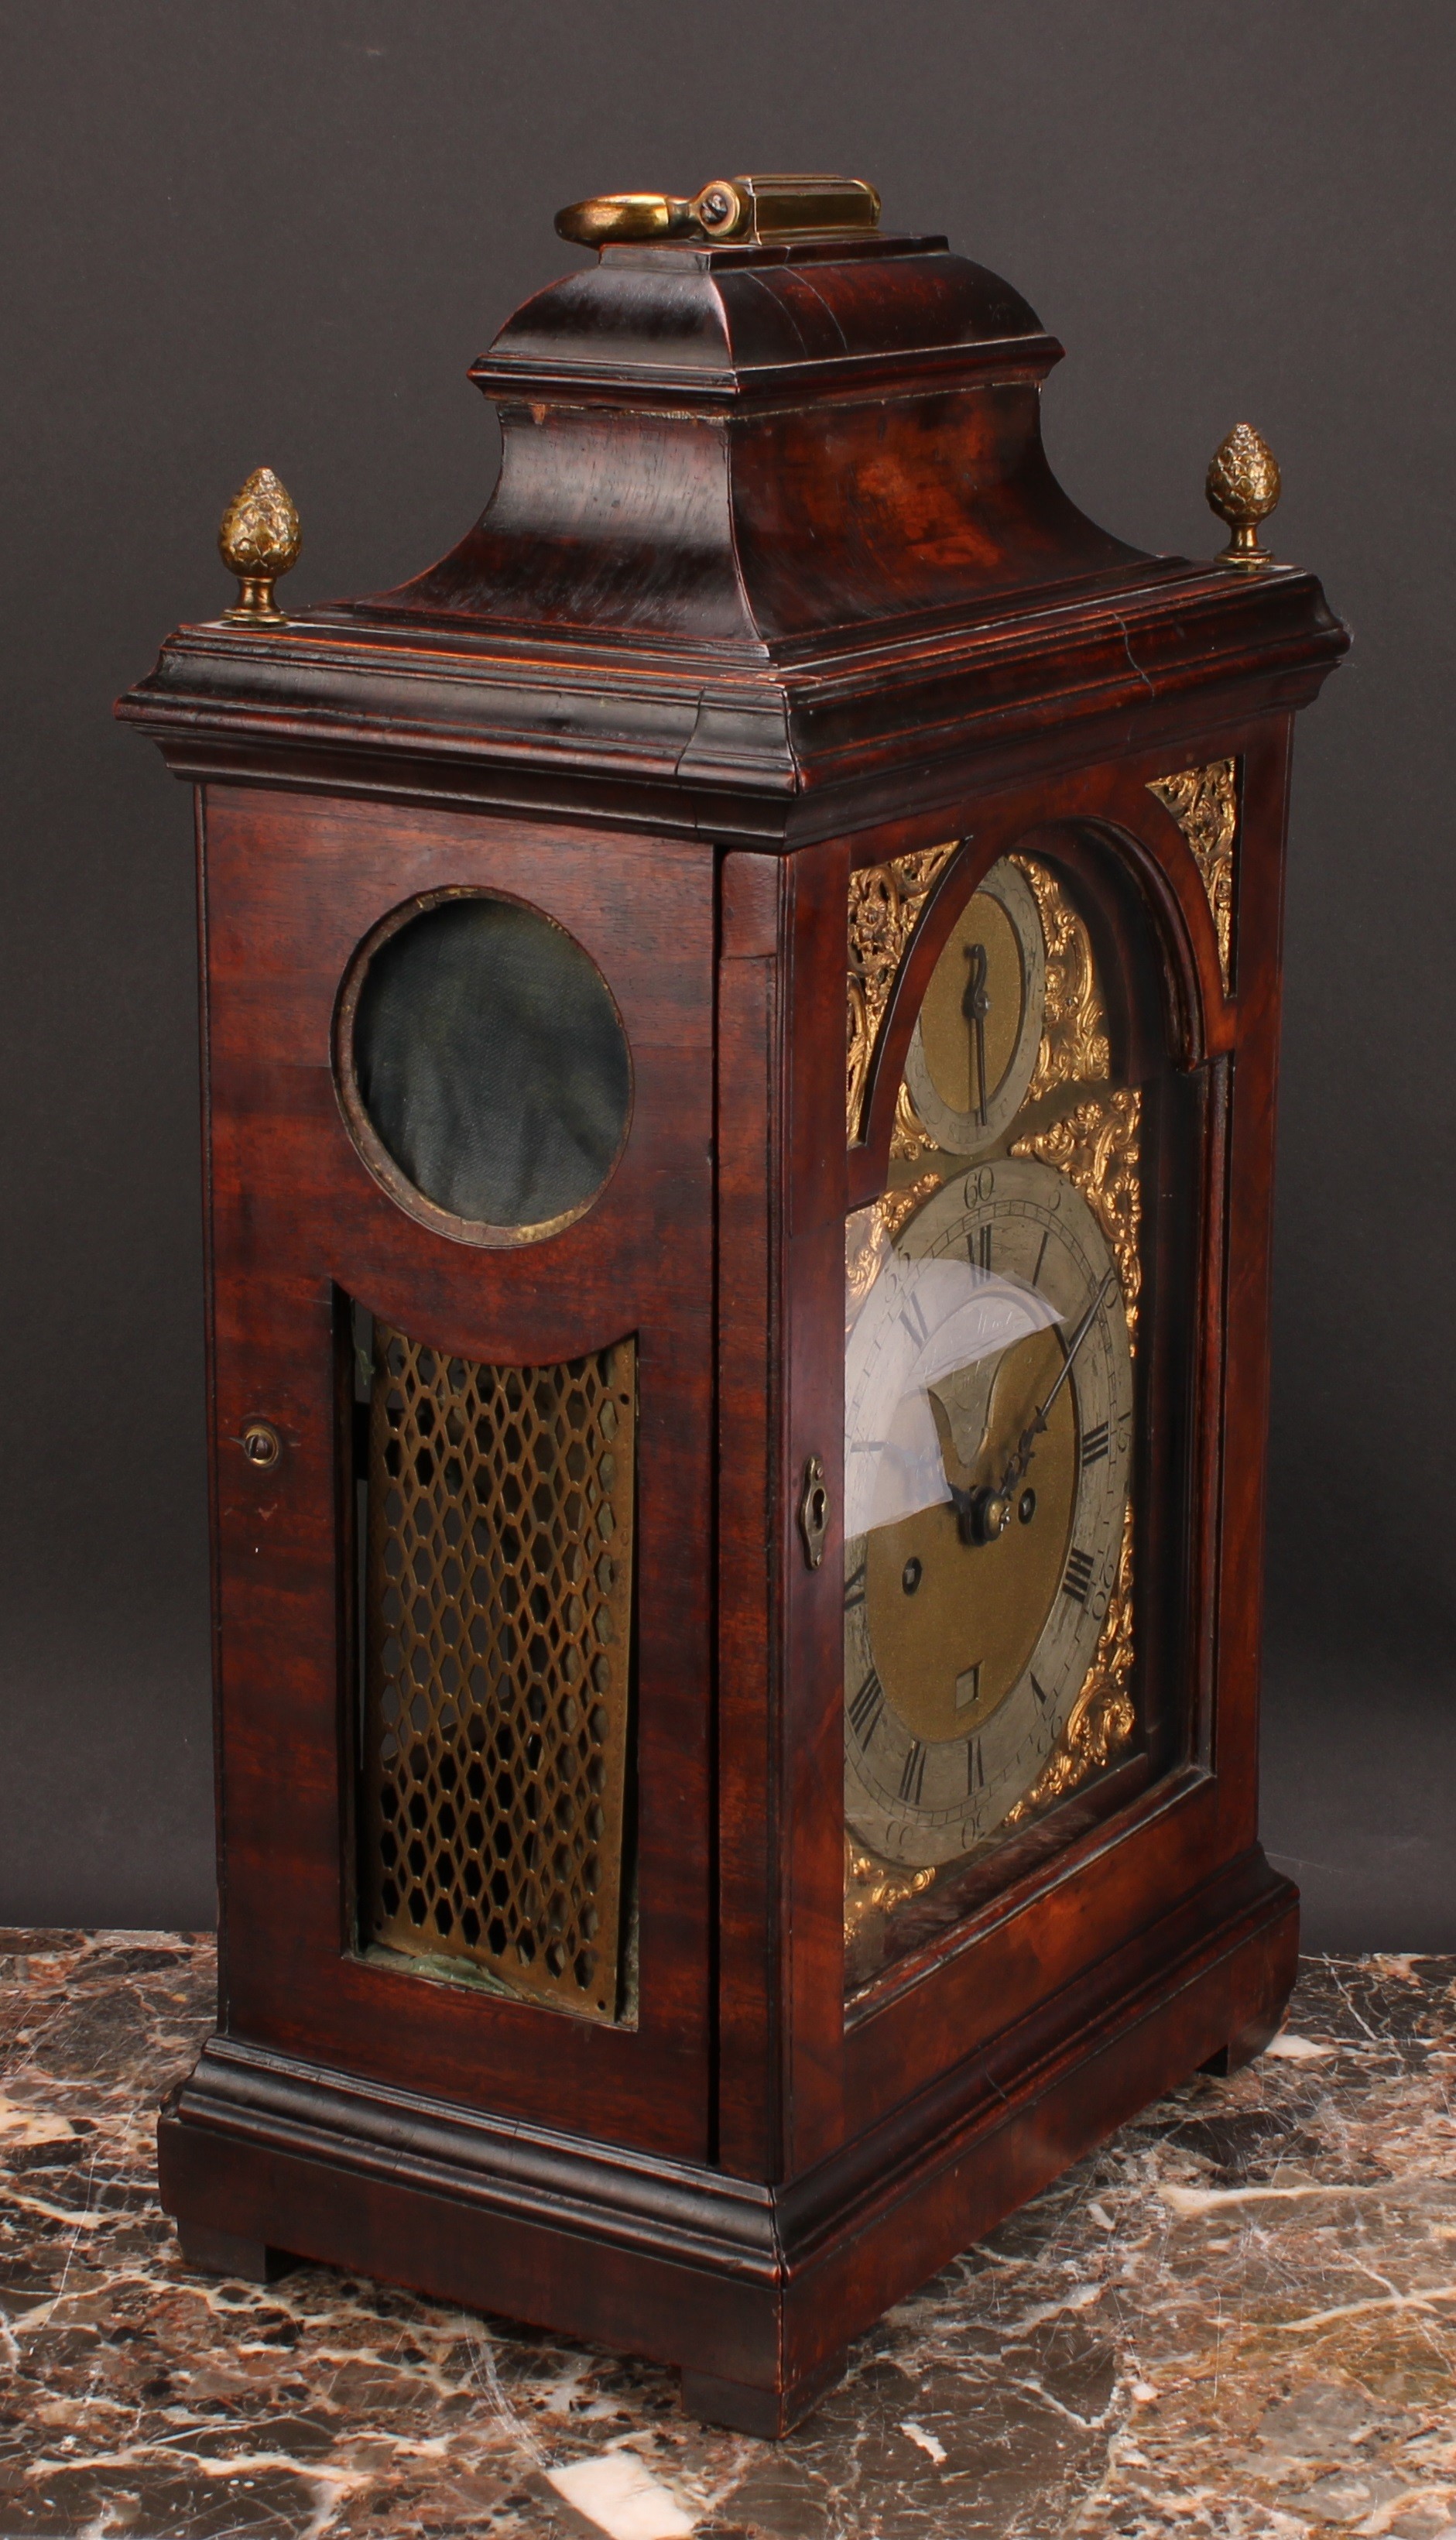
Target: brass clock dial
989,1414
974,1047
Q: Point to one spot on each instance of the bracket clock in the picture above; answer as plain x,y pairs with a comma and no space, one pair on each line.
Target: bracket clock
741,1012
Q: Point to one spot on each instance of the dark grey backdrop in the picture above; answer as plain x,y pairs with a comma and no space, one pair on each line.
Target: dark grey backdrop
244,231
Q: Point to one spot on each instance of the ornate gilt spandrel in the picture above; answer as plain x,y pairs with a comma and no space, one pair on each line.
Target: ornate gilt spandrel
871,1232
897,1207
872,1889
885,905
909,1137
1098,1147
1204,801
1073,1044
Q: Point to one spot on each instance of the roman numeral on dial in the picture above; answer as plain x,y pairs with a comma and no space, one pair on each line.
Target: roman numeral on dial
853,1588
978,1247
912,1315
1095,1444
975,1767
913,1773
867,1707
1079,1579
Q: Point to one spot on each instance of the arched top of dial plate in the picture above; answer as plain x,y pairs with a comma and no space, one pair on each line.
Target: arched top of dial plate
1171,1010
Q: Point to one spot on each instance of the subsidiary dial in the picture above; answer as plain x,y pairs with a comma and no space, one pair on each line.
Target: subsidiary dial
973,1052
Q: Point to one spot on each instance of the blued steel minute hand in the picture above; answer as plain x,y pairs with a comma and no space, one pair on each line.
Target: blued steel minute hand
986,1514
975,1005
1026,1444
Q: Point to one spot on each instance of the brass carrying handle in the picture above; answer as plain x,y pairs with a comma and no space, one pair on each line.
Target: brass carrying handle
755,210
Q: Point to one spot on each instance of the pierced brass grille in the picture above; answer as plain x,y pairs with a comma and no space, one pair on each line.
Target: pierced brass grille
498,1613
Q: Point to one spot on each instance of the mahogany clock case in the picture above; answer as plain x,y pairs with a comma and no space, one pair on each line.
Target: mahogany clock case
722,2167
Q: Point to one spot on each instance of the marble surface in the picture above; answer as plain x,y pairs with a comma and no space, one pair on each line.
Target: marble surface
1238,2319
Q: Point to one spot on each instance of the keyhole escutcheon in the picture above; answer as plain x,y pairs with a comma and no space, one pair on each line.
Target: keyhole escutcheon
813,1511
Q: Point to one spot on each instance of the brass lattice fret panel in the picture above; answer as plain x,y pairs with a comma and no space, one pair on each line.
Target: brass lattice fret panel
497,1621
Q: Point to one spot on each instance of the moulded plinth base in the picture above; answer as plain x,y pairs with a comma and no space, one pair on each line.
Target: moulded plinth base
220,2253
749,2410
753,2291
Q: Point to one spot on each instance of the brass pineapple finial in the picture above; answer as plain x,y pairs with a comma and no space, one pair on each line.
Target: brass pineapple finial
258,539
1243,487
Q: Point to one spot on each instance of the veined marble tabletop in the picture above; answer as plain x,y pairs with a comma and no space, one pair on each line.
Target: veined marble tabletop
1238,2319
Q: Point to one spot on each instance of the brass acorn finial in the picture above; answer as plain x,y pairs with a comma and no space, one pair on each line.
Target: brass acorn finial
1243,487
258,539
